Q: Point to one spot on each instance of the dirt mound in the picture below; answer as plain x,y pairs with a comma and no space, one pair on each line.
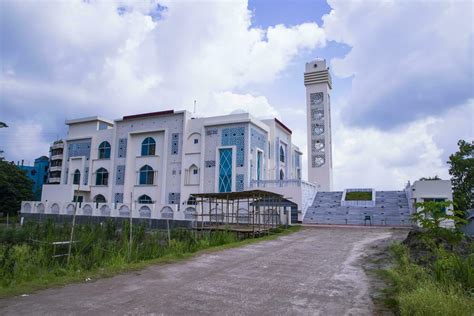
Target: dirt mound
422,245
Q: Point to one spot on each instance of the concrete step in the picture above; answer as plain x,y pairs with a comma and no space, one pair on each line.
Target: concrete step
391,209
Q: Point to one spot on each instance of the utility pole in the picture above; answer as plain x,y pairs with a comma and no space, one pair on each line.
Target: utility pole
131,225
76,195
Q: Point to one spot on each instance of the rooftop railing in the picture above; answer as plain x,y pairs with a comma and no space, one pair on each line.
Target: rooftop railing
280,183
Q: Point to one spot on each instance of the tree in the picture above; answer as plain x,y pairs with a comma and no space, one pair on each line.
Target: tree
430,178
15,187
430,215
462,171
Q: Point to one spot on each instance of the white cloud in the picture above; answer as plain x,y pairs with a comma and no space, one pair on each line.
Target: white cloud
33,145
409,59
79,58
387,159
227,102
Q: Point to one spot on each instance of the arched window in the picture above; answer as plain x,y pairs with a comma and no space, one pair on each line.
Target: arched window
99,198
282,175
145,199
146,175
104,150
102,177
148,147
282,154
192,175
193,170
76,178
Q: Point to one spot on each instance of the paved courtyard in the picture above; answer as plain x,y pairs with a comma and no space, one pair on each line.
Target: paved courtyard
315,271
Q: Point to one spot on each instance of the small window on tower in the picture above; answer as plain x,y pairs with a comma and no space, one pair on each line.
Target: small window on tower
196,140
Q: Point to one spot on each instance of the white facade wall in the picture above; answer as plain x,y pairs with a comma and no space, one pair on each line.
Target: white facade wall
186,158
432,189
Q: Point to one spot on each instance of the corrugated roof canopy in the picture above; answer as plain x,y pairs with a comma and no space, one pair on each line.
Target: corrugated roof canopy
250,194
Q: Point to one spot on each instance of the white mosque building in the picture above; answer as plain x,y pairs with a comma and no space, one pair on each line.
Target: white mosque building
154,162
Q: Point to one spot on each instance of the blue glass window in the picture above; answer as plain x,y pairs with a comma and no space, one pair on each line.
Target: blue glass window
259,164
77,177
282,154
104,150
225,170
102,177
145,199
148,147
146,175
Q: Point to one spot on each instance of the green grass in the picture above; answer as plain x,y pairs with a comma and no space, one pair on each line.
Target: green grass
444,287
358,196
103,252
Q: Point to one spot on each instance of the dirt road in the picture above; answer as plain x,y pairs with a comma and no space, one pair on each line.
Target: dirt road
315,271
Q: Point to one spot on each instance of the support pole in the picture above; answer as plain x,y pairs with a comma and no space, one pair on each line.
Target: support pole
237,219
73,224
168,230
130,240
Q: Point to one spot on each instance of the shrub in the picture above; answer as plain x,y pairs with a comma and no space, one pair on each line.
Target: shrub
442,287
431,214
26,253
429,299
450,267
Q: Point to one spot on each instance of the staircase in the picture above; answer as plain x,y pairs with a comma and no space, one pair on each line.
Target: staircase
391,209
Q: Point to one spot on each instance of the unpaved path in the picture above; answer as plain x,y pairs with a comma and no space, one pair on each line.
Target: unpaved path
315,271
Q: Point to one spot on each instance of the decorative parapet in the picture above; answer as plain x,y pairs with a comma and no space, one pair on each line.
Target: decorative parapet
370,203
151,211
280,183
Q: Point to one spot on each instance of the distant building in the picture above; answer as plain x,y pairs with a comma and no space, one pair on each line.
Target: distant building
431,190
55,162
38,173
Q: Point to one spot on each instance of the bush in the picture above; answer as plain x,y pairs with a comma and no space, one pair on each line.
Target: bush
28,255
429,299
442,287
449,268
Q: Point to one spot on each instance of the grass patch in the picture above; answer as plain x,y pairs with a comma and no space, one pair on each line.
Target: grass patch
444,286
358,196
102,251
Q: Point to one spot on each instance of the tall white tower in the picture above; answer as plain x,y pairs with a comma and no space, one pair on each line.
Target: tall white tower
318,103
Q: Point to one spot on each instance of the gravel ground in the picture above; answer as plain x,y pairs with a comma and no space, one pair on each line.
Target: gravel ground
316,271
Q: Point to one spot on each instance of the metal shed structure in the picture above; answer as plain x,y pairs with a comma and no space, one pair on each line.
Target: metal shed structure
252,212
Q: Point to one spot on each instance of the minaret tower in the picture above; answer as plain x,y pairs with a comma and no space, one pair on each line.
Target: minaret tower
318,104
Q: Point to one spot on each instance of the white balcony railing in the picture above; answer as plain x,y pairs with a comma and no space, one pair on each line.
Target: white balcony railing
54,180
57,145
280,183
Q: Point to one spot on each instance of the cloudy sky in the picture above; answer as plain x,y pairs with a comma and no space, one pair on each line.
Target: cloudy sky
402,72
